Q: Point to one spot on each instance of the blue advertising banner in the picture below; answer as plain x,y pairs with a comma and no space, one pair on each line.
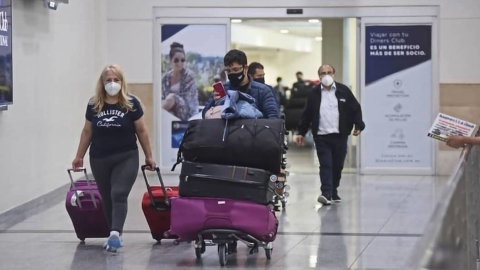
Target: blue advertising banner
6,75
397,96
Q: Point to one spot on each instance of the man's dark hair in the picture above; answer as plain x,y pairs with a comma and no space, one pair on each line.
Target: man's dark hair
326,65
235,56
279,79
299,73
252,69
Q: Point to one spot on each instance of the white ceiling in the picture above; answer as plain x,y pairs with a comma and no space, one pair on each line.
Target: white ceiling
301,27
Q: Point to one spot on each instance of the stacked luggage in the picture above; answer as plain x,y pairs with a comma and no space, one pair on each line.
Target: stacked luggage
232,177
228,184
296,104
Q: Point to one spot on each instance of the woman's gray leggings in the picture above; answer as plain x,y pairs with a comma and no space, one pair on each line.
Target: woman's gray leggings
115,176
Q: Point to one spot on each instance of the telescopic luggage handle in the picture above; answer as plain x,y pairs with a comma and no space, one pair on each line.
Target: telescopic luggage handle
88,184
149,189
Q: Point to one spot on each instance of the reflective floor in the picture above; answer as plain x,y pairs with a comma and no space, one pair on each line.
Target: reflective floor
376,227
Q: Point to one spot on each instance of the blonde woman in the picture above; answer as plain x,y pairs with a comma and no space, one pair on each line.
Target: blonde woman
114,120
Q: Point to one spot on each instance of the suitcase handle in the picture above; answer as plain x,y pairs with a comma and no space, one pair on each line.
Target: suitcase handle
209,177
149,189
88,184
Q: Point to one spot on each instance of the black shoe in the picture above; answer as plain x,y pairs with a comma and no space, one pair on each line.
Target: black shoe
336,199
324,200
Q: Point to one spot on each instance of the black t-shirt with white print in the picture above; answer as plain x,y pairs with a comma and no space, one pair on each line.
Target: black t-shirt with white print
113,128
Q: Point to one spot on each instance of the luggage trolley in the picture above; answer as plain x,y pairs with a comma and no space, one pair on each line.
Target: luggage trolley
281,197
227,243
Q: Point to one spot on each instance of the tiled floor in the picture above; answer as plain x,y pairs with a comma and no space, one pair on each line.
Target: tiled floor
375,228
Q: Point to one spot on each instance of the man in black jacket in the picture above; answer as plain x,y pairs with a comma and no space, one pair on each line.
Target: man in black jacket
331,111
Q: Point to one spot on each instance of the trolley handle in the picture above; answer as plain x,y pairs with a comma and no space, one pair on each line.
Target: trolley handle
149,189
70,170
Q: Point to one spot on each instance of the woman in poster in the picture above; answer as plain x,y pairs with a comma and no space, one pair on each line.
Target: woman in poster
179,90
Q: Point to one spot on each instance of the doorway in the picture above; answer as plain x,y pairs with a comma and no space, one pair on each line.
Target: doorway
291,48
346,24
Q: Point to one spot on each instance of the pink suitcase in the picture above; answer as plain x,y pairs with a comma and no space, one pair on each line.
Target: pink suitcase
85,208
190,216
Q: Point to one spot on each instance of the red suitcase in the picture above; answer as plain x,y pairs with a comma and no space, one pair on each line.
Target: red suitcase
156,206
85,208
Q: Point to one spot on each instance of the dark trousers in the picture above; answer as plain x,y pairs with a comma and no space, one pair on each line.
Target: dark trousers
115,176
331,152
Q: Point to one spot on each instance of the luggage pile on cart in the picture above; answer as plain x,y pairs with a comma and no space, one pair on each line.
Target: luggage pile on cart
231,180
232,175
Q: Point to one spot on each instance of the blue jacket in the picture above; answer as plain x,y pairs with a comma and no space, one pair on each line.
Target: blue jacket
264,99
238,105
275,95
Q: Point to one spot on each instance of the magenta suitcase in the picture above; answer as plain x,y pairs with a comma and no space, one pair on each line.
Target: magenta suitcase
190,216
85,208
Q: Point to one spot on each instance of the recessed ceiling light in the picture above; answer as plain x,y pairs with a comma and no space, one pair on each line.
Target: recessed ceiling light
314,21
236,21
284,31
318,38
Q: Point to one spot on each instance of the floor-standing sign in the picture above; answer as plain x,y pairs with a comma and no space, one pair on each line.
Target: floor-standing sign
397,99
191,58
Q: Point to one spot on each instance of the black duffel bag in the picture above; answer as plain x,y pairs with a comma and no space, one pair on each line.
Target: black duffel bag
255,143
223,181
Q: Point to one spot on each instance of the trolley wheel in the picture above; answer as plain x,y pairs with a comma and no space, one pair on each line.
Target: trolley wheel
198,253
253,250
200,250
176,242
82,240
232,248
222,254
284,205
268,253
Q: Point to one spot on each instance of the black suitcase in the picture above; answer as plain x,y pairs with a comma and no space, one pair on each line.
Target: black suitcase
254,143
229,182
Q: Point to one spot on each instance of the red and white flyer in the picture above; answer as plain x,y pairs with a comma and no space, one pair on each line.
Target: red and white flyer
446,126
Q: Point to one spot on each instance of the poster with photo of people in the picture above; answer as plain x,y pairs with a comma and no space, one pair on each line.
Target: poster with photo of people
191,61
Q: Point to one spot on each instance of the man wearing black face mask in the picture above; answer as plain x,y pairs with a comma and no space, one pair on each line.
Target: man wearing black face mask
236,68
257,72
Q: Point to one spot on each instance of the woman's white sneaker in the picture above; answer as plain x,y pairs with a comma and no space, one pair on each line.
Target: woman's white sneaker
114,242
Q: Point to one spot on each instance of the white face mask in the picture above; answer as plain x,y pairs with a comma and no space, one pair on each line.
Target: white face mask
112,88
327,80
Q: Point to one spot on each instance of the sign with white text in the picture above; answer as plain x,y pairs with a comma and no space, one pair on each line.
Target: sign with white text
446,126
397,97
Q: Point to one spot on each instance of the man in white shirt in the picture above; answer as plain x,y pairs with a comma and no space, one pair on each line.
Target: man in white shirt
331,112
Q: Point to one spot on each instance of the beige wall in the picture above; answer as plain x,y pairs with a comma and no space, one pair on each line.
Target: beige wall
332,45
144,91
462,101
56,61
